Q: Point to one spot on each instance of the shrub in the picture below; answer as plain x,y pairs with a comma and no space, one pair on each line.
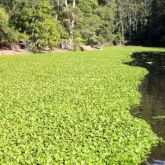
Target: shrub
7,34
34,18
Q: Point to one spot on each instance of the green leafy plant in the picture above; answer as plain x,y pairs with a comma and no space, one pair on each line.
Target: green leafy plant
72,108
35,19
8,35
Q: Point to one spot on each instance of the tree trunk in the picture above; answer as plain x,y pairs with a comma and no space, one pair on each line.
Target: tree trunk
74,3
66,3
72,25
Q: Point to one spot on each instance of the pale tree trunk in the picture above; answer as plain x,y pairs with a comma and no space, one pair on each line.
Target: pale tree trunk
74,3
58,5
66,3
72,25
122,29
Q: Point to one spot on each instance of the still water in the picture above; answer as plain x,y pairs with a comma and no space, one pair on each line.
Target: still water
152,108
153,111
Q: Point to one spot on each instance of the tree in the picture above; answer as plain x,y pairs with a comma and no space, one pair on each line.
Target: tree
107,15
35,19
68,23
7,34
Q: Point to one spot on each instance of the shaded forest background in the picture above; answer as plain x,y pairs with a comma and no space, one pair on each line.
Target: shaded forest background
40,24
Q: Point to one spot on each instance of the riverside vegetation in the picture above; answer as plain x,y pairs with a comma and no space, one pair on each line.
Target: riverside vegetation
43,24
72,108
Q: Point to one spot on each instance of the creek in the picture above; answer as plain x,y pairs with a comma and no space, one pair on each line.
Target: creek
152,107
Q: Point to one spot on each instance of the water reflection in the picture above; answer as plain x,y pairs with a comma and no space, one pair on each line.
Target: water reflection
152,107
153,110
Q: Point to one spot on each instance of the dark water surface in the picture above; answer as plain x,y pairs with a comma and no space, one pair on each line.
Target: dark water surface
152,108
153,111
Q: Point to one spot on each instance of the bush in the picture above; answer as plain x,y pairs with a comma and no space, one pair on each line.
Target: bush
5,31
35,19
45,34
7,34
87,6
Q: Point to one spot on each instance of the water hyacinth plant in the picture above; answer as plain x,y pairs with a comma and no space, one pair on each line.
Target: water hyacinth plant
72,108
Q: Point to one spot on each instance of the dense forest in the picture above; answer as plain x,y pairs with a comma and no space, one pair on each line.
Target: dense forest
69,23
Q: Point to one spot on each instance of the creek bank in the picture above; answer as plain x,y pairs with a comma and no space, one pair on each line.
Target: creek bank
152,108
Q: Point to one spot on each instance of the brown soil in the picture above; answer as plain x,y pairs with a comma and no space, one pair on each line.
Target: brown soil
4,52
13,52
89,48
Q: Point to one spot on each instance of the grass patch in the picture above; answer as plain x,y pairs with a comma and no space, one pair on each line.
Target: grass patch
72,108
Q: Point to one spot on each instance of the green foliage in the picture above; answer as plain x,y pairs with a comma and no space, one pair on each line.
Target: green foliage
3,18
64,35
59,22
7,34
45,34
34,18
88,29
106,29
87,6
72,108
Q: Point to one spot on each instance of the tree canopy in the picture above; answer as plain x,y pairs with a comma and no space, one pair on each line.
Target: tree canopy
69,23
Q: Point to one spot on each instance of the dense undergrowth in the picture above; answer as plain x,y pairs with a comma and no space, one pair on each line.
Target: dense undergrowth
72,108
